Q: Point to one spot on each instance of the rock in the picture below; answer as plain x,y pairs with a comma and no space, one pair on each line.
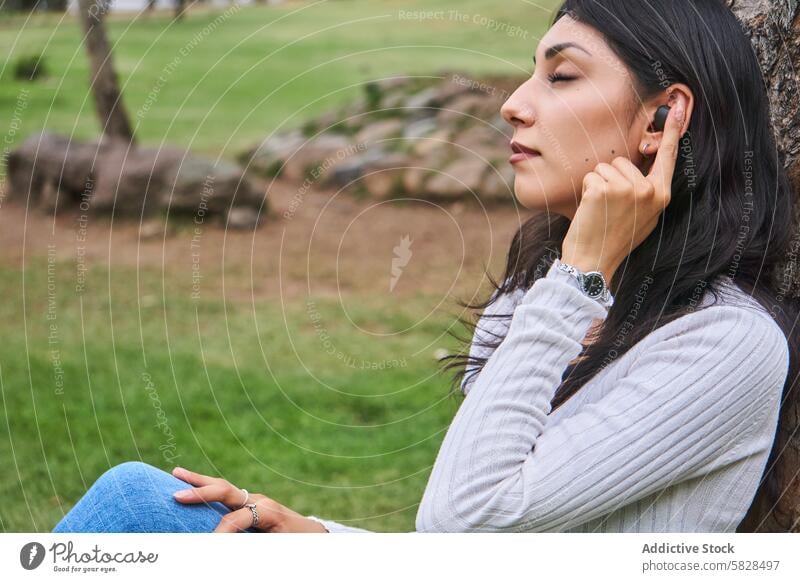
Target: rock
466,107
450,90
498,185
420,128
68,166
133,182
152,229
395,101
200,185
353,167
434,153
332,121
435,144
393,84
433,156
422,105
384,178
378,92
484,140
243,218
461,178
52,171
435,122
309,161
414,179
268,157
379,130
49,196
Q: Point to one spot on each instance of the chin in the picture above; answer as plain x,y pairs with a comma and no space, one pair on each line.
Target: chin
532,194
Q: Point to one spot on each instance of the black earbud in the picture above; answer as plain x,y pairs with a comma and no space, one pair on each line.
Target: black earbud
660,119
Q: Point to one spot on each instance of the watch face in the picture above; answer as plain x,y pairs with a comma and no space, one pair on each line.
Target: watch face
593,285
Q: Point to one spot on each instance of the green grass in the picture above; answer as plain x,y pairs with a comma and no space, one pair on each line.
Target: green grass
257,399
258,67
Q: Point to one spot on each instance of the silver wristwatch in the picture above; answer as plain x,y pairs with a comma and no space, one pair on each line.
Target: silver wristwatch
591,283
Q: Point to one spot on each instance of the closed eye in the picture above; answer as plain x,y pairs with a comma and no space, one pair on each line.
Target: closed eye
555,77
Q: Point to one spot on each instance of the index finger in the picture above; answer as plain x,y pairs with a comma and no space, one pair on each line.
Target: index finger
664,164
191,477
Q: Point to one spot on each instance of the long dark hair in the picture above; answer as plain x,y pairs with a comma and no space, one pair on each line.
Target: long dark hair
729,174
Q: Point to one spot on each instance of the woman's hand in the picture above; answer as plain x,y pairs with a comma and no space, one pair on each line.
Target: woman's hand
272,516
620,206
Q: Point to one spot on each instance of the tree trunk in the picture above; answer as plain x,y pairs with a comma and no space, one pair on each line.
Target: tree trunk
180,8
774,29
107,97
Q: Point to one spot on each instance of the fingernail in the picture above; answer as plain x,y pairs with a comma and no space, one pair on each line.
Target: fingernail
679,112
182,494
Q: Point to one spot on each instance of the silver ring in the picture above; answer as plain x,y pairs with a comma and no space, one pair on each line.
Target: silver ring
246,497
253,509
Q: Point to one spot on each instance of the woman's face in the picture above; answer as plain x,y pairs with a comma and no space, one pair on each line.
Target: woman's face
589,117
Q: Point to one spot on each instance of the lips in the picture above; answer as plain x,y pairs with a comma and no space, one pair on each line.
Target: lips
522,152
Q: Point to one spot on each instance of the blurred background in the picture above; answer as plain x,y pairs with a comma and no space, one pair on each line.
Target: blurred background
234,236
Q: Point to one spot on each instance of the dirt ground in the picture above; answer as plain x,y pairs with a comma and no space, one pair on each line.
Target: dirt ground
320,242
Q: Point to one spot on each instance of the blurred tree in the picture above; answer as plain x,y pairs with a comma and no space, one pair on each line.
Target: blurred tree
180,8
107,96
30,5
773,28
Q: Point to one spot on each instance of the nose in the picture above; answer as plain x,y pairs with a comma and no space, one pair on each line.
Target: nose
517,110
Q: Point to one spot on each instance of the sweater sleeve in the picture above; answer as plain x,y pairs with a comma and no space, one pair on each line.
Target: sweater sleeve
691,398
490,325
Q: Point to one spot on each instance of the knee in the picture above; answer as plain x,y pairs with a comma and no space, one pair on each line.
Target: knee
131,469
127,475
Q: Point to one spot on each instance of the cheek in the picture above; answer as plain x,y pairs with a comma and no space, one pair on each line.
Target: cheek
609,129
576,132
593,134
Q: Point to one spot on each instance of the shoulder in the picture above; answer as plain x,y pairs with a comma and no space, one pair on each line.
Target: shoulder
741,314
733,332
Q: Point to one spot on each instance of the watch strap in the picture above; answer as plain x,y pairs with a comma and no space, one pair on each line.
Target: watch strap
578,278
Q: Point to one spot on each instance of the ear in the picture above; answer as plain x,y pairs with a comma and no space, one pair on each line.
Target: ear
671,96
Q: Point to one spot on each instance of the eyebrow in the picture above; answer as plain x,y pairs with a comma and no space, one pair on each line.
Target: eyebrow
557,48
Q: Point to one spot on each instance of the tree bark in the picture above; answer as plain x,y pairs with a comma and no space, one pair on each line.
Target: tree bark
180,9
107,96
774,29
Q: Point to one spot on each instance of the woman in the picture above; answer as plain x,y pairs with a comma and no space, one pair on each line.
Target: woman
644,397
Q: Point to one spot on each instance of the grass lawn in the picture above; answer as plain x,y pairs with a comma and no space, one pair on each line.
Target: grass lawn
221,80
131,367
119,373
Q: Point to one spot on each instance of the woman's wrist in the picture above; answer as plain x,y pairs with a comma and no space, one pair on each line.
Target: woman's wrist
322,528
298,524
586,263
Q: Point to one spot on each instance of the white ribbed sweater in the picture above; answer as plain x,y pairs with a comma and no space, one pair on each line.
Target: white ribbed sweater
673,436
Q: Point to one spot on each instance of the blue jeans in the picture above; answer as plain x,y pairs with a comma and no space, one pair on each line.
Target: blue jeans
137,497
